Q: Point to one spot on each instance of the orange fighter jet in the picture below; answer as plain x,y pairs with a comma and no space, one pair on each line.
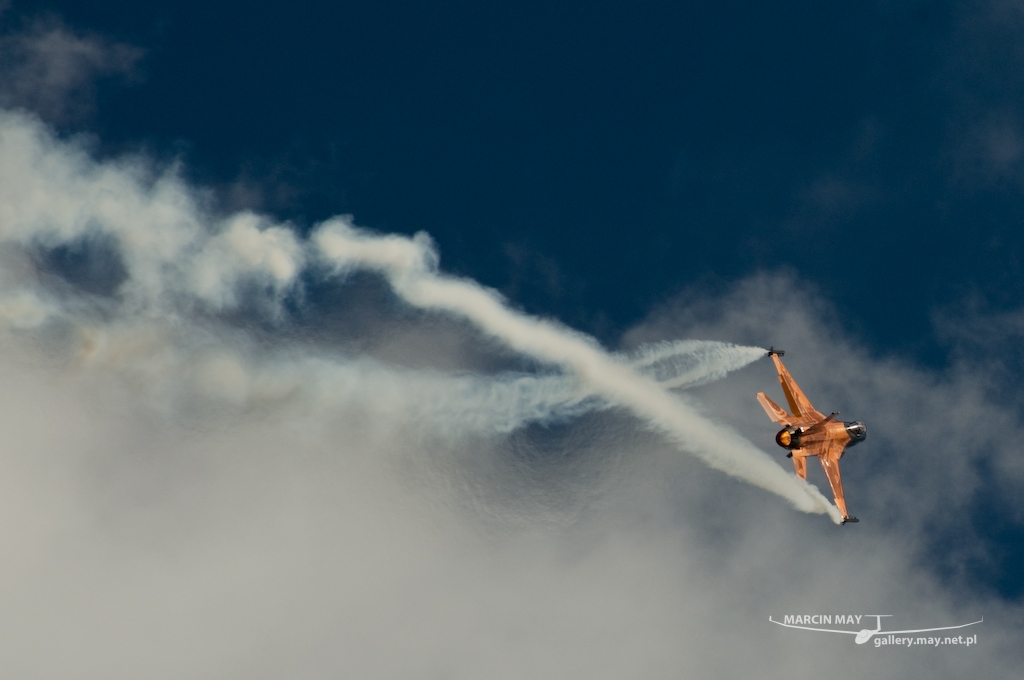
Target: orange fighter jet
807,432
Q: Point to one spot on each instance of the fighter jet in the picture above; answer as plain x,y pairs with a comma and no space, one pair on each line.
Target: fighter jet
806,432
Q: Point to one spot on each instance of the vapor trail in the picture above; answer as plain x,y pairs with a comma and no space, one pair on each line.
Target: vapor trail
508,401
688,363
410,266
175,268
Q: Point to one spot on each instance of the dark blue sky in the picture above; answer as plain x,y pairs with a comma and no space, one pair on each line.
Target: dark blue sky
591,160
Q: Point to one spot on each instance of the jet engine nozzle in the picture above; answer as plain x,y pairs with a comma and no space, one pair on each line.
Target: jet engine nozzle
788,438
857,430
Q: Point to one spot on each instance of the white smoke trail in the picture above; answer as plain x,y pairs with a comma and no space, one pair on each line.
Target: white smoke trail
180,265
513,400
689,363
410,265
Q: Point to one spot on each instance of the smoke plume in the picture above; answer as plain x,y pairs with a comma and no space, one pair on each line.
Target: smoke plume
173,271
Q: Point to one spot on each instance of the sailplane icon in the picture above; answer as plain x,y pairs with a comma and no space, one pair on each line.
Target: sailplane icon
867,633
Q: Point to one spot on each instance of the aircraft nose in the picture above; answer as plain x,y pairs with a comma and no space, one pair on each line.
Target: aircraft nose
857,430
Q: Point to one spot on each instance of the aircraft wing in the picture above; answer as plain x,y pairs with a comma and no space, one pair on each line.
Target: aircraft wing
830,462
799,404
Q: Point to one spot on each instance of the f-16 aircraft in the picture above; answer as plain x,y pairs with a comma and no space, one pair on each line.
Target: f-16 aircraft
807,432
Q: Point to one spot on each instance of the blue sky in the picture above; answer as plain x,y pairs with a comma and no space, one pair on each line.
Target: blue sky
872,149
844,181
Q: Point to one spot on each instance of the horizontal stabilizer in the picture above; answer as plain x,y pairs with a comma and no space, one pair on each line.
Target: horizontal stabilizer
774,411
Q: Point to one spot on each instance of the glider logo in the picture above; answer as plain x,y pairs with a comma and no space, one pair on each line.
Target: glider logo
882,637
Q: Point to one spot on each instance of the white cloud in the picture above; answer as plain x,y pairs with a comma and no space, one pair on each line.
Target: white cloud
185,494
51,71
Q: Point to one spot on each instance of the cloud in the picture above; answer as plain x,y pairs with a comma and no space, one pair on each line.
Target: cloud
199,480
52,71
